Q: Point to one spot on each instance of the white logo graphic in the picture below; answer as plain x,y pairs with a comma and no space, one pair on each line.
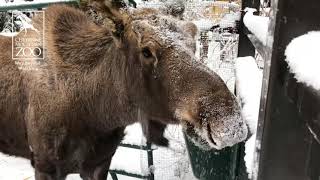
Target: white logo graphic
28,45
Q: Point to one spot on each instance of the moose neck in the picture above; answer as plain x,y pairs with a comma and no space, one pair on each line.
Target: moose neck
86,64
99,78
114,87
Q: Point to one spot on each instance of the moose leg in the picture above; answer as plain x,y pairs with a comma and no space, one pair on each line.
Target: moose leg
45,169
98,172
97,163
46,158
44,176
154,130
47,136
101,171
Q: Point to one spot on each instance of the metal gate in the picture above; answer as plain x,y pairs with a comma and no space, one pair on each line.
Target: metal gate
289,117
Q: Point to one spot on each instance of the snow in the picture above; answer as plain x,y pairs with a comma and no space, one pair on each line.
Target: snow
194,10
258,25
134,135
130,160
15,168
229,20
249,157
172,163
221,45
303,57
204,24
249,82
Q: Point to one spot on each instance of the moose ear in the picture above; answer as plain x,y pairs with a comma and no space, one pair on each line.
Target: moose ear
113,11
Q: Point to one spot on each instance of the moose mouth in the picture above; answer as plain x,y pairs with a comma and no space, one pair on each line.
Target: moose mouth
203,137
195,135
210,136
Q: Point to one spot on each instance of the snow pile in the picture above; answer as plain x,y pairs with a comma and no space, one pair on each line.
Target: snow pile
249,157
258,25
303,57
249,81
22,168
130,160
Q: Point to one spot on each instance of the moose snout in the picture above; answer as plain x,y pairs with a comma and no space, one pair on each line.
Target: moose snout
217,131
230,130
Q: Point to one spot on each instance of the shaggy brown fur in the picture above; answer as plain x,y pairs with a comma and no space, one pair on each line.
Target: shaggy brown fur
94,9
69,116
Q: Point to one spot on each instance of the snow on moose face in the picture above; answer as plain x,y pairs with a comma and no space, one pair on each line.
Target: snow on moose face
209,113
213,124
193,95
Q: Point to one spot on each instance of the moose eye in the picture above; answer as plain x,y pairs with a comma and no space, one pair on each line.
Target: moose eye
146,53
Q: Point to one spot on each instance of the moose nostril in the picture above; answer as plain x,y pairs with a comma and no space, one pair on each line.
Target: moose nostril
209,135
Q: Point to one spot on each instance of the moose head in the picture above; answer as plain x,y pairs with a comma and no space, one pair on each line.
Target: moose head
173,87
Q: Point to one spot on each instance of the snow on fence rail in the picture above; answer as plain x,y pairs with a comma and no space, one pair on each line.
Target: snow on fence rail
303,57
258,25
248,83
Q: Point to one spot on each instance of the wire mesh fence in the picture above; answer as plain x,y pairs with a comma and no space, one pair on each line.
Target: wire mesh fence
217,40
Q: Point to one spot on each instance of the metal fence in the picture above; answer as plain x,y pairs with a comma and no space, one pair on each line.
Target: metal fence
289,118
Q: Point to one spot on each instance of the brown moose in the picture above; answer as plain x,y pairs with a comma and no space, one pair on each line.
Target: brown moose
69,115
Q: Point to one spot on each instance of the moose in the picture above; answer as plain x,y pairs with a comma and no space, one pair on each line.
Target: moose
69,115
